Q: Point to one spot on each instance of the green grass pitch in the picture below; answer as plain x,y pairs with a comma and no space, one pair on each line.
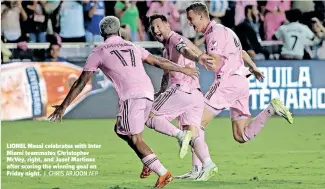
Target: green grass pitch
282,156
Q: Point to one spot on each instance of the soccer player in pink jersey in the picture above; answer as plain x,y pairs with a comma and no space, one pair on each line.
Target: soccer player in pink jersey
231,87
183,100
122,62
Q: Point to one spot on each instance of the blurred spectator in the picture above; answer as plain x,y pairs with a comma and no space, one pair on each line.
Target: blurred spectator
240,9
217,9
36,24
320,6
109,7
143,9
186,29
168,9
72,27
303,6
274,16
295,36
52,10
128,13
5,53
248,33
10,20
54,53
94,13
317,50
125,32
229,19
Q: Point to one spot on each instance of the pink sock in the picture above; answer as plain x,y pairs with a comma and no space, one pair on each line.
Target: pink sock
256,125
154,164
196,162
201,148
162,125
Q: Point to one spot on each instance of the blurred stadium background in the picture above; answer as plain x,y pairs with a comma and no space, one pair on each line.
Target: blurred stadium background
44,45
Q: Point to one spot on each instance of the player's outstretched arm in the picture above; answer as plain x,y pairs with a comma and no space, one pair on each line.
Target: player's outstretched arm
192,52
163,83
168,65
252,66
247,59
75,90
189,51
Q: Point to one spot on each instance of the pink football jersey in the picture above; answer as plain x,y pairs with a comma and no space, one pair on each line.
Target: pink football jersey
222,41
172,46
122,62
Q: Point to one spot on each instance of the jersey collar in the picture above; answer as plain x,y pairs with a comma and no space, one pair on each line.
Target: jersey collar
113,38
211,23
171,33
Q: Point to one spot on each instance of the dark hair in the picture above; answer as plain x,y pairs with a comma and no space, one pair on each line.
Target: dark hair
198,7
157,16
52,44
248,7
293,15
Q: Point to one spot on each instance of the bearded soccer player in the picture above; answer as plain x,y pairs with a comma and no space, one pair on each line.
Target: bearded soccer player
231,87
183,100
122,62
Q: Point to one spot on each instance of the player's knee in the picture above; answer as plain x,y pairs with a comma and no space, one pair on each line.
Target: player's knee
135,139
151,121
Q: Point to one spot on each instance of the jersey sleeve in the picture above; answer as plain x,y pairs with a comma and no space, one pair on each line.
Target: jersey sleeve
279,33
177,42
144,53
93,62
309,34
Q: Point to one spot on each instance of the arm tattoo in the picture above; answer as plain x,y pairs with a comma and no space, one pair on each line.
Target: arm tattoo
168,65
164,82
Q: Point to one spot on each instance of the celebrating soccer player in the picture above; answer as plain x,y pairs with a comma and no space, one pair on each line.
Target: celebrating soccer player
122,62
183,100
231,87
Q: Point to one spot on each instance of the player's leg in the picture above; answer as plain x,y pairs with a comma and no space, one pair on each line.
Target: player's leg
129,127
201,155
166,108
201,150
196,168
191,120
243,130
161,124
208,114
